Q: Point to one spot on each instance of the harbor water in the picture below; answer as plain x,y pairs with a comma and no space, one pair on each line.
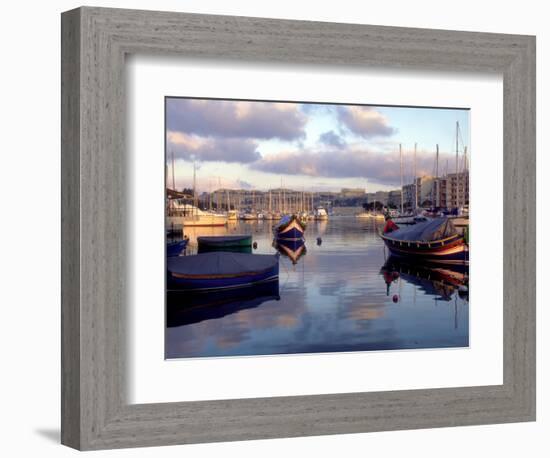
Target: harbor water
340,292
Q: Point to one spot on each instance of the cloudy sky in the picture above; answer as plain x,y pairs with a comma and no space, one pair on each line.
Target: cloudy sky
242,144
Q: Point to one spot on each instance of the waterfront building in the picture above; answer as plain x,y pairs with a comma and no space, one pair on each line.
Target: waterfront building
458,190
378,196
352,192
419,193
394,198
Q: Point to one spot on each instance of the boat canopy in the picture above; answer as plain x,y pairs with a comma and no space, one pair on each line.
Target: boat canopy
221,263
426,231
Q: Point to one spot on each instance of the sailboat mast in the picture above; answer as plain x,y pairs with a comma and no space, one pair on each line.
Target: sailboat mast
437,161
284,197
173,172
415,181
401,173
435,200
456,166
195,184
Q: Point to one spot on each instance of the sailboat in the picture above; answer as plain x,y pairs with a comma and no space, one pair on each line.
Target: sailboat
184,214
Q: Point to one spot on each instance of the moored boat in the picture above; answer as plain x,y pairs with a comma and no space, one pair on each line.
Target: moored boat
290,227
220,270
434,240
321,214
187,215
236,243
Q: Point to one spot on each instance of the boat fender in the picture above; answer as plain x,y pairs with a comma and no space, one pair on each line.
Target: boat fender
319,241
255,245
395,298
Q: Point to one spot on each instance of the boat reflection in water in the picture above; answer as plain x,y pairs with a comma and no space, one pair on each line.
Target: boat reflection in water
292,249
440,281
183,307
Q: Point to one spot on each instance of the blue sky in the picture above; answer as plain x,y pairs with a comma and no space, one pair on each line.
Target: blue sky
244,144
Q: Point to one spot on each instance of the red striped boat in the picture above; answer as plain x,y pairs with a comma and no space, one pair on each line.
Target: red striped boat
434,240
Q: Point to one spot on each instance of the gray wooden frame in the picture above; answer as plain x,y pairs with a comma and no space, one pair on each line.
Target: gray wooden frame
95,413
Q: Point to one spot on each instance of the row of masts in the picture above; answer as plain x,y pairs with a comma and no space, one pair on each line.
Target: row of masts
280,201
415,180
273,201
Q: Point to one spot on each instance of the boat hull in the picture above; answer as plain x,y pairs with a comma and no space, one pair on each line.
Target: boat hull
234,244
225,241
449,251
190,276
292,232
212,283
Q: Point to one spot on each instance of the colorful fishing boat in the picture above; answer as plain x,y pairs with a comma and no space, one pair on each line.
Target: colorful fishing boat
175,248
237,243
434,240
220,270
290,227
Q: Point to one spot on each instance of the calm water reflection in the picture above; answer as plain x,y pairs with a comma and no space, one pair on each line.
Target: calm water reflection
339,293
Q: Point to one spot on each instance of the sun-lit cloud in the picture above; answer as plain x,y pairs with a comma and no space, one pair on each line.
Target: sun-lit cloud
191,147
353,161
365,121
239,119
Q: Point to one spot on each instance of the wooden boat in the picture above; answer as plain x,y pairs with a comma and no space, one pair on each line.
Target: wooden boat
220,270
290,227
175,248
292,249
434,240
225,241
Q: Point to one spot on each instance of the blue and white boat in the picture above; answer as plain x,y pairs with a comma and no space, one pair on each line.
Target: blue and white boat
289,228
220,270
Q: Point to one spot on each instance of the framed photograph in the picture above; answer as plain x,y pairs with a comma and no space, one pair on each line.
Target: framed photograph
280,228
